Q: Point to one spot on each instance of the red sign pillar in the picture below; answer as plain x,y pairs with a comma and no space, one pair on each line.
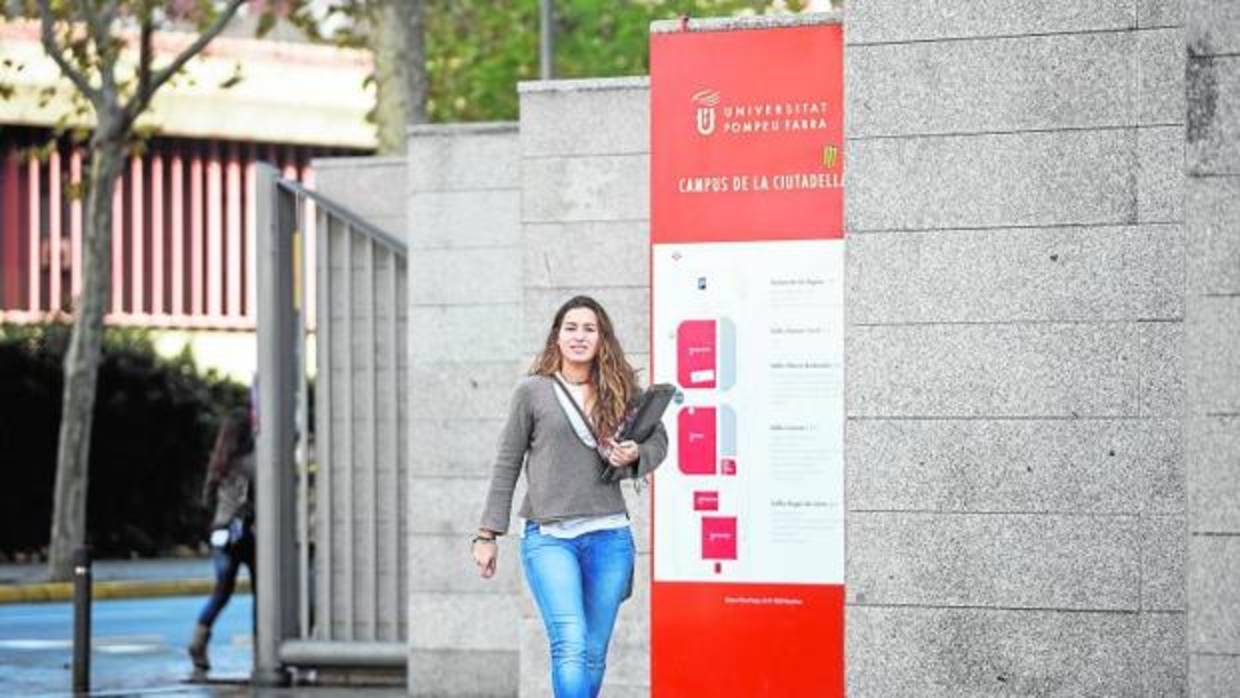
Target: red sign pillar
747,279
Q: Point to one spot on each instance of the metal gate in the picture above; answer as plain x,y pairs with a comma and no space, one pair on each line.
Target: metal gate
332,514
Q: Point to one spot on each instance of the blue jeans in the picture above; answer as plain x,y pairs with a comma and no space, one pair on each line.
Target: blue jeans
579,584
227,562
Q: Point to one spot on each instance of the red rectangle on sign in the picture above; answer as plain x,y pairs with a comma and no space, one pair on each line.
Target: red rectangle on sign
696,352
705,501
695,445
747,135
719,538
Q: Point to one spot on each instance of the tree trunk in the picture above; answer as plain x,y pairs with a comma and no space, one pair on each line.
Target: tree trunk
84,352
398,45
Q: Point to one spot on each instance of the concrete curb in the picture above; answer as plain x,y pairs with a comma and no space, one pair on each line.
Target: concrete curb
120,589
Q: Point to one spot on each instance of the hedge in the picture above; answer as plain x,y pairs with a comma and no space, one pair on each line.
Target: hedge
155,419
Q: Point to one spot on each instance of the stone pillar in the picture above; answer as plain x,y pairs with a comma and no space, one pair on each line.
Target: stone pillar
1212,345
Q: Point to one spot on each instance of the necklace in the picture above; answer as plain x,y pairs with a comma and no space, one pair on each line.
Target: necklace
570,381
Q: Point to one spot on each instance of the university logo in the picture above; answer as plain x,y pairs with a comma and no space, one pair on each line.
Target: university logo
706,101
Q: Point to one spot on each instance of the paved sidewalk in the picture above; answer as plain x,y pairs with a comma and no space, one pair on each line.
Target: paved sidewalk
114,579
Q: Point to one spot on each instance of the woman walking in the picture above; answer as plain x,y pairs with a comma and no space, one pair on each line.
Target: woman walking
577,546
228,492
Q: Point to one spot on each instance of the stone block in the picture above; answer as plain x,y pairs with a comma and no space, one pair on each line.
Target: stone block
1213,445
1211,27
441,563
1160,96
585,121
993,180
600,188
369,187
1162,369
880,21
1160,13
1161,174
452,158
909,651
1213,594
1163,542
459,621
556,254
455,447
1095,466
1213,128
1163,669
1008,84
1213,235
447,505
994,560
1017,275
1213,676
1212,332
490,332
1044,370
535,659
447,390
469,218
463,674
627,306
476,275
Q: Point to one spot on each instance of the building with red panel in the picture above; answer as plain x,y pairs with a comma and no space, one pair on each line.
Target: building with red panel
183,230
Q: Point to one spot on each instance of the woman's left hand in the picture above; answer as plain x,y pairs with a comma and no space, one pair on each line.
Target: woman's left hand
623,454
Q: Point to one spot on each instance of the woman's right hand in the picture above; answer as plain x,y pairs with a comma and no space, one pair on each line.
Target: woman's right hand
486,552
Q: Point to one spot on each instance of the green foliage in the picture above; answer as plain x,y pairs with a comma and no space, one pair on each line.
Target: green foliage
477,51
154,422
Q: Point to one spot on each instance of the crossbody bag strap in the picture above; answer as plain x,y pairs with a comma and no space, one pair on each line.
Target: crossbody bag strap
580,413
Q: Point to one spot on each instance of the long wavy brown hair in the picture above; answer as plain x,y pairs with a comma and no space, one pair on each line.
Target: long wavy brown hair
614,379
234,439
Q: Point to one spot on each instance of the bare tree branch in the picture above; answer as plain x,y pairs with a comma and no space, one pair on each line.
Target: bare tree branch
53,49
143,97
136,107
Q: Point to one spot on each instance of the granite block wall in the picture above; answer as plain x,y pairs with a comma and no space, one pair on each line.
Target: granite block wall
584,225
465,308
1212,335
1016,267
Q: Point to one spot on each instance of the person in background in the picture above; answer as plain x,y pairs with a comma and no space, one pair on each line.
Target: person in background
228,493
577,546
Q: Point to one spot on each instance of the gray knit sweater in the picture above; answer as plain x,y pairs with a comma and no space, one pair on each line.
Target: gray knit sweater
564,476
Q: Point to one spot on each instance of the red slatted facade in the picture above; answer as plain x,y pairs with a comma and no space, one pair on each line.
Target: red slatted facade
182,244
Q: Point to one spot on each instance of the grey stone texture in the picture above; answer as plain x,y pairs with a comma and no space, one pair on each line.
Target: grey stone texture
911,651
1009,84
1160,13
466,218
1214,473
1213,127
994,370
1214,676
1051,466
1214,595
998,180
1213,235
463,157
994,560
1212,27
883,21
466,304
578,188
1162,563
1211,356
1070,274
1161,180
559,118
1016,348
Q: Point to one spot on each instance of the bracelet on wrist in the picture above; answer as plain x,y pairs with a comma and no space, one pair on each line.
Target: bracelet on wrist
483,539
